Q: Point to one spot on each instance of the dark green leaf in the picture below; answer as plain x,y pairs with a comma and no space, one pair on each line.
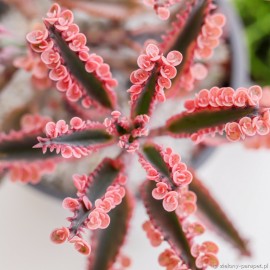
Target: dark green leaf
91,84
146,99
192,29
103,177
109,241
90,137
22,149
155,158
193,122
210,208
167,223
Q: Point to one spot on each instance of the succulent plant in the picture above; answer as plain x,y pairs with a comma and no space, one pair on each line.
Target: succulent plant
100,116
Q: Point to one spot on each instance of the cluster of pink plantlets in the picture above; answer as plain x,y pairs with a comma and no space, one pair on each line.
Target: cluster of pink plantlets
200,50
176,197
217,99
170,260
62,23
147,62
54,130
141,129
164,190
98,217
208,40
171,193
206,254
162,7
21,170
32,63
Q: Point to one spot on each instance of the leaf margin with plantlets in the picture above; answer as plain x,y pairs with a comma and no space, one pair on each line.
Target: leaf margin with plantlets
91,84
118,229
107,169
216,217
184,123
167,223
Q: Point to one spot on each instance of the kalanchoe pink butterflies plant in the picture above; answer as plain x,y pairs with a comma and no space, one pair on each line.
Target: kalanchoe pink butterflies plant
171,192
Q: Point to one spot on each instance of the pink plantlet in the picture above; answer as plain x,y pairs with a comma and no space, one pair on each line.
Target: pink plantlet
182,178
77,123
179,167
105,204
51,58
78,42
33,122
169,259
86,202
98,219
168,71
186,209
205,247
174,58
81,245
53,13
64,20
161,7
188,196
32,63
125,261
163,13
153,235
193,229
160,191
241,97
59,236
115,195
94,221
70,33
207,260
255,93
170,201
206,254
37,36
80,182
247,127
199,71
58,73
70,203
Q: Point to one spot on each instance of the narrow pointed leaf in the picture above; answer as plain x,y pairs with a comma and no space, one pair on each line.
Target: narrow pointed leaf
210,208
85,141
101,178
84,138
187,36
189,123
21,149
92,85
108,242
155,158
167,223
191,30
145,102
